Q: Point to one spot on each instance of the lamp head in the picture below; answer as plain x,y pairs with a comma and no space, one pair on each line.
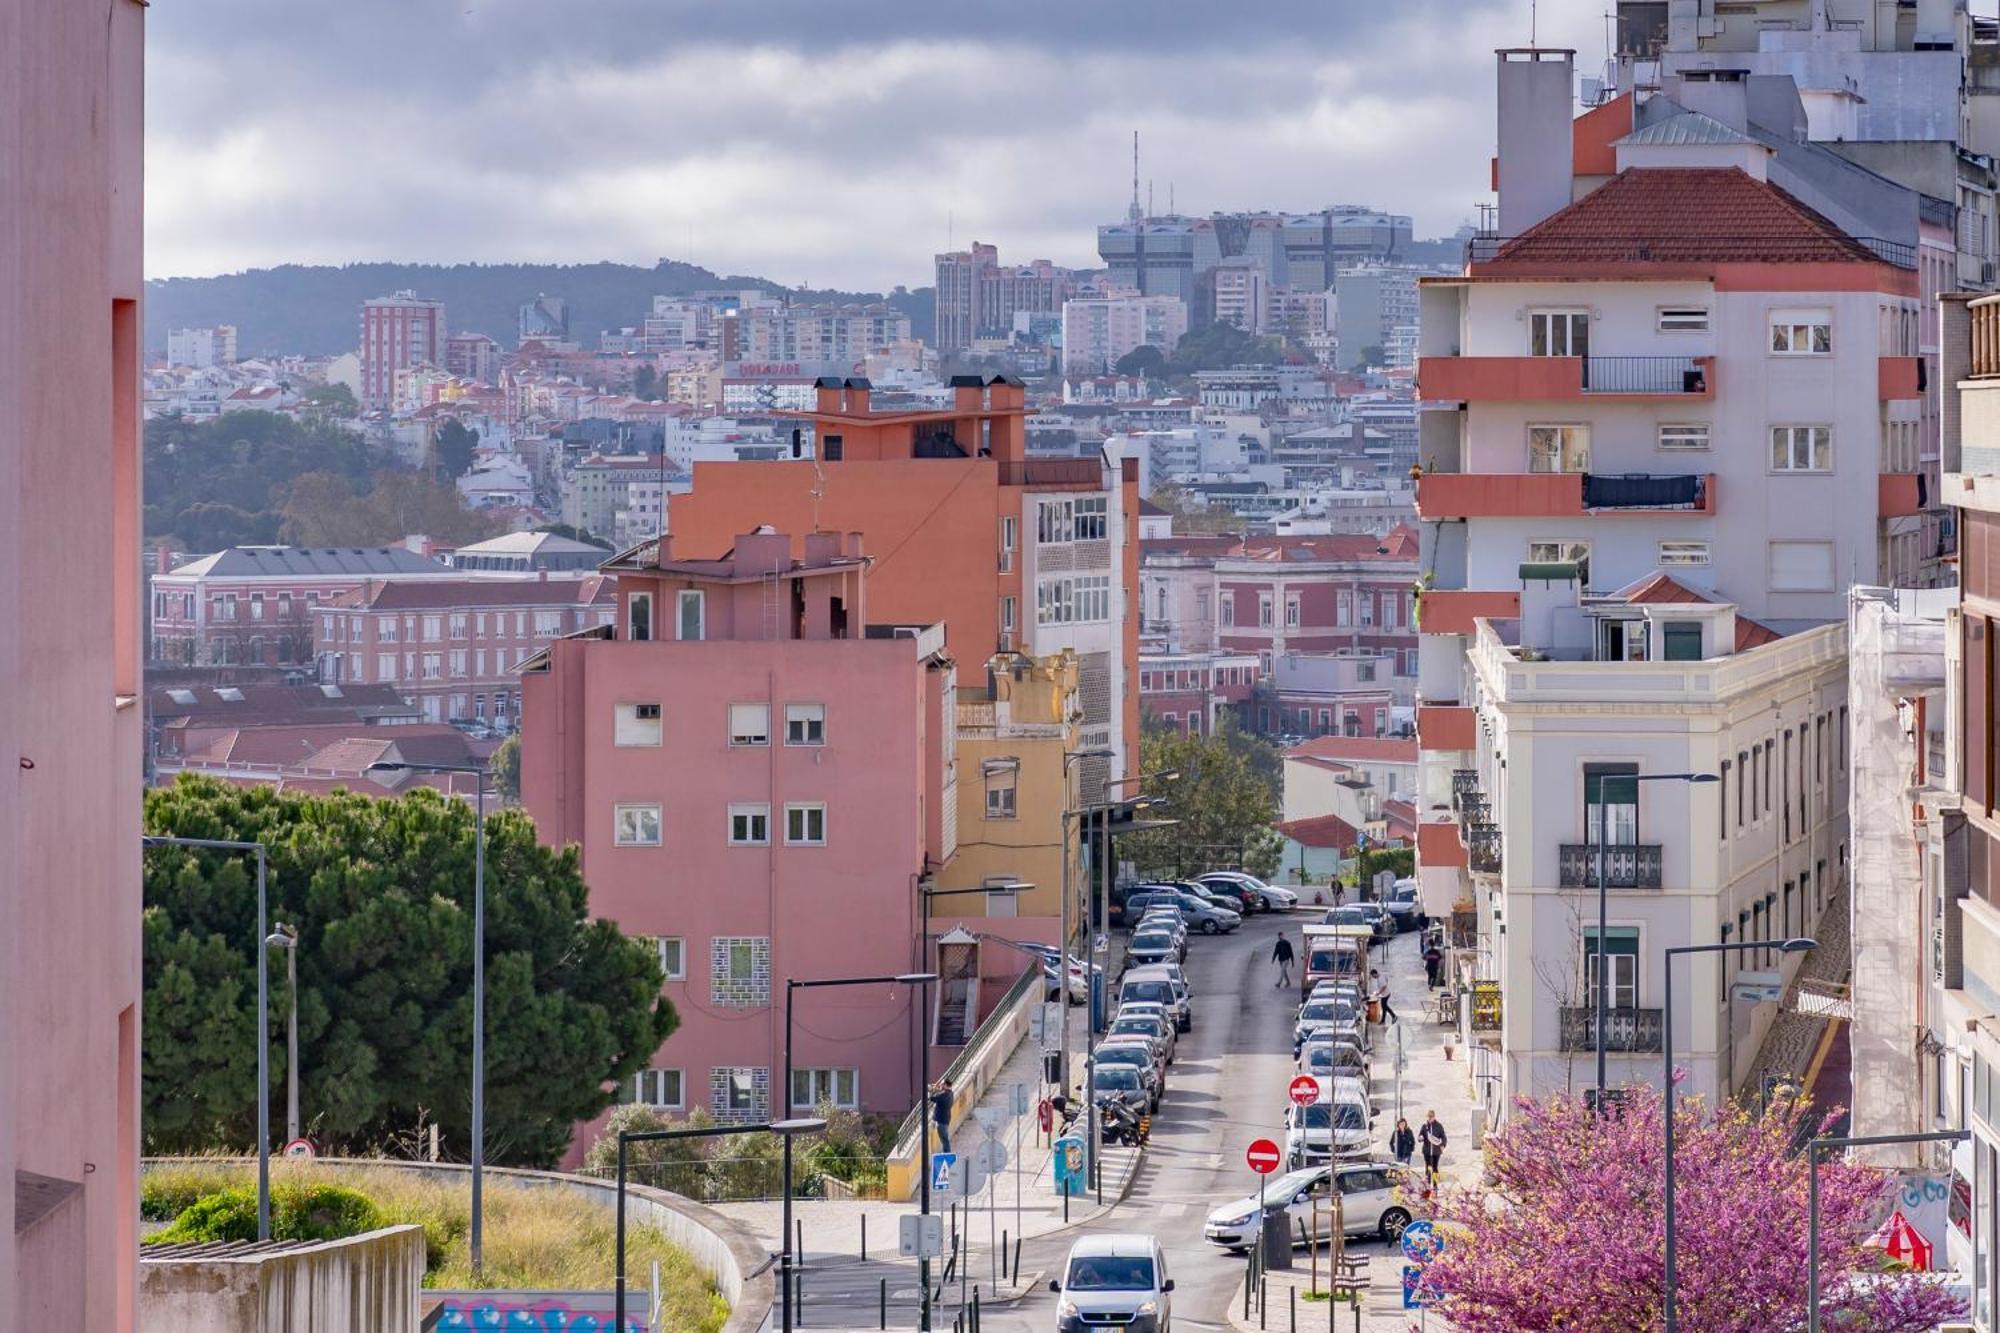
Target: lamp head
802,1125
386,773
1797,945
1703,777
916,978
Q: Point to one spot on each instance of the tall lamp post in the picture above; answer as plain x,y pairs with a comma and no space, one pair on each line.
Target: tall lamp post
1602,989
1062,964
793,986
1799,945
389,774
287,938
1814,1147
263,1014
784,1128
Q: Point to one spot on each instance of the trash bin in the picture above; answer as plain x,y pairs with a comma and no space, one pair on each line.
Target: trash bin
1374,1010
1277,1240
1072,1179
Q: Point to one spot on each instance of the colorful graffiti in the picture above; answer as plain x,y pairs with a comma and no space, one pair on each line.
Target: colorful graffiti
528,1312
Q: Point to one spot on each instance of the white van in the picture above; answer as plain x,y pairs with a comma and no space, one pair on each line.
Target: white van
1114,1281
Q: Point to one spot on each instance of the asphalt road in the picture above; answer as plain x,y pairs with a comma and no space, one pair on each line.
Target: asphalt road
1226,1089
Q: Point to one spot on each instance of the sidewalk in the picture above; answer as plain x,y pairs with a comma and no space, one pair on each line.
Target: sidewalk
1431,1083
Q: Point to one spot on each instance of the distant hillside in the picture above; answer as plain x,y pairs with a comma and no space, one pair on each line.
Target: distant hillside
316,311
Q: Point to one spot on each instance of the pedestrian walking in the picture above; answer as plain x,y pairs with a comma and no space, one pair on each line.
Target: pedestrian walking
1433,963
1281,954
1339,893
1403,1141
1432,1138
1379,989
941,1100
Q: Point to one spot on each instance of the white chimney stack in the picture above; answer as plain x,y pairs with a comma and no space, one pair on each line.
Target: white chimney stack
1537,162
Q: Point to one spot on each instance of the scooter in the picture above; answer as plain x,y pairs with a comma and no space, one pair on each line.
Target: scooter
1121,1124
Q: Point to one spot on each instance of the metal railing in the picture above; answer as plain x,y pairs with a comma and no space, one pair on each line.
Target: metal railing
1080,473
1636,1031
1695,249
1644,374
1464,787
906,1132
1645,490
1482,847
1626,865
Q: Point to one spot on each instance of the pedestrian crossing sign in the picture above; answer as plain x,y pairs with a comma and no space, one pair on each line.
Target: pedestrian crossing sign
944,1172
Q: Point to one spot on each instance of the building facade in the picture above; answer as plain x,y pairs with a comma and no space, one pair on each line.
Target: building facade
398,333
71,568
978,296
202,349
1099,331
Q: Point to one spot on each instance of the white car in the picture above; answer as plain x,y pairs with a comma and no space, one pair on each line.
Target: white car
1339,1126
1269,897
1371,1196
1114,1282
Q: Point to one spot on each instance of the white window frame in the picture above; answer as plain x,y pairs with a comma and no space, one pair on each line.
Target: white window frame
1814,439
1225,611
649,1087
1089,519
799,819
698,600
672,950
805,724
1682,437
1681,318
749,724
1009,536
632,603
433,629
1545,319
1801,331
1566,444
620,826
385,629
750,811
636,725
1672,554
1264,610
823,1086
1539,553
1292,608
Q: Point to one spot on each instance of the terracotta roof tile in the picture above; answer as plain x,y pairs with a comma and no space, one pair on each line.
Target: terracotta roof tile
1319,831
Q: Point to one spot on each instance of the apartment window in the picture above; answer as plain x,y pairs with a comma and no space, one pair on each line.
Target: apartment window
1682,319
749,825
673,956
636,724
1610,804
639,617
1789,932
819,1087
1226,611
1683,435
520,624
1089,519
479,707
480,628
1558,448
357,630
1680,640
1770,747
479,662
1007,618
457,626
1264,662
1801,566
1008,536
1682,553
662,1088
1802,332
1364,671
1001,777
1819,749
548,624
160,604
385,666
636,826
805,724
749,724
805,824
1621,961
1558,333
433,665
458,662
1093,598
1055,521
740,970
1563,552
1722,968
1770,906
690,624
1801,448
1840,738
1785,776
1292,610
1263,610
433,628
256,606
1722,806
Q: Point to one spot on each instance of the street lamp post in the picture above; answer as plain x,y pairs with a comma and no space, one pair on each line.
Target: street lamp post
921,980
287,938
1062,963
1603,986
389,774
1799,945
1814,1147
784,1128
263,1015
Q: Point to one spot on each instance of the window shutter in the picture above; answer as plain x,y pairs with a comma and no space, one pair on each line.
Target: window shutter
1977,761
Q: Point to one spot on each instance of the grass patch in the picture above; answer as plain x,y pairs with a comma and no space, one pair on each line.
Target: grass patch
535,1237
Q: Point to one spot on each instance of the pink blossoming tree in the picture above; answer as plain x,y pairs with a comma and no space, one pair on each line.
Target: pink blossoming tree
1568,1231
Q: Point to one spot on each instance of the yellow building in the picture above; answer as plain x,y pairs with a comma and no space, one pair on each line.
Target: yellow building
1012,735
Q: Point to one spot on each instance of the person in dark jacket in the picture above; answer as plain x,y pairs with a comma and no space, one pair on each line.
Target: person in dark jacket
1432,1137
941,1100
1403,1142
1281,954
1433,963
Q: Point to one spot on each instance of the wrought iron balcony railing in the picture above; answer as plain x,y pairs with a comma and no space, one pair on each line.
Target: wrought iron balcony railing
1631,1030
1644,374
1482,847
1626,865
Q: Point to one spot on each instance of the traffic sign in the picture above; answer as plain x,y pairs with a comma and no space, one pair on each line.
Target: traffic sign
920,1235
1421,1242
1018,1098
300,1148
1262,1156
944,1173
1304,1090
990,1156
990,1118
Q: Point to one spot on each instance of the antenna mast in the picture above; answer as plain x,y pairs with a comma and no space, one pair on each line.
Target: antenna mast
1133,212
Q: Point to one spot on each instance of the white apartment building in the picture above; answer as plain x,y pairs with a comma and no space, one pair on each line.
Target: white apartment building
1098,331
1666,425
202,349
1243,294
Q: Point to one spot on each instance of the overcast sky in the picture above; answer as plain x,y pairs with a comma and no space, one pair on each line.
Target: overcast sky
806,142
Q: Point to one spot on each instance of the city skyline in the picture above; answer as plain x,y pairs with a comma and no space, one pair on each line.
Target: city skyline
750,117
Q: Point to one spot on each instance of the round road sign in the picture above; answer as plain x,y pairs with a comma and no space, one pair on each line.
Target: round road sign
1304,1090
1262,1156
1421,1242
299,1148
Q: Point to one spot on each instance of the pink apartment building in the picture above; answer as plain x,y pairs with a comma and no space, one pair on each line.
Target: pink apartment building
758,779
451,646
72,97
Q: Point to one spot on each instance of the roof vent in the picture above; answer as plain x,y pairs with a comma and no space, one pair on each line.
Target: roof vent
185,698
229,694
331,691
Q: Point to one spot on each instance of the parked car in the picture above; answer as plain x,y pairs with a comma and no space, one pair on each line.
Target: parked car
1124,1084
1223,893
1207,917
1154,946
1117,1281
1325,1012
1370,1193
1379,918
1268,897
1325,1057
1137,1055
1150,1021
1337,1127
1402,903
1158,985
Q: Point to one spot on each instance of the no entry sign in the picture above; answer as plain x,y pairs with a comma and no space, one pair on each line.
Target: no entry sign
1304,1090
1262,1156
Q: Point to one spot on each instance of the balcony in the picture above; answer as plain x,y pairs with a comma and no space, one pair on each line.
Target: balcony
1900,493
1533,379
1626,866
1441,727
1452,611
1069,474
1482,847
1453,495
1900,377
1637,1031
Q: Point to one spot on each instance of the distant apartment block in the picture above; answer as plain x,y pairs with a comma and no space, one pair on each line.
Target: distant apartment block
1099,331
398,333
451,646
545,319
527,552
472,356
1171,255
978,296
1375,315
1191,692
202,349
815,337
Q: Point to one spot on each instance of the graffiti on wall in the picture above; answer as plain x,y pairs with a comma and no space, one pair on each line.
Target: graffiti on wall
539,1312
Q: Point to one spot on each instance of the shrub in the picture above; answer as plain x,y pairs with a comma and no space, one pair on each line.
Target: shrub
298,1212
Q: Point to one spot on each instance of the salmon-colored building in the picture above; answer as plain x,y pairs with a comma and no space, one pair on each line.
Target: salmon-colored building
71,96
757,773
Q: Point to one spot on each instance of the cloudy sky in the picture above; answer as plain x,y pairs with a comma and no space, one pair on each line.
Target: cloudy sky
807,142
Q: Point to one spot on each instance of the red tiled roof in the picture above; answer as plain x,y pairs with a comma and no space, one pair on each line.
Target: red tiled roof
440,594
1355,749
1401,817
1683,215
1753,633
1665,590
1319,831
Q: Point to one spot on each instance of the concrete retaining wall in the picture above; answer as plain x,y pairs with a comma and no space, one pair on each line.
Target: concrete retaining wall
370,1281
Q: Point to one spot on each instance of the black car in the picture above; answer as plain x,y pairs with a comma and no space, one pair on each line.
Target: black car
1233,896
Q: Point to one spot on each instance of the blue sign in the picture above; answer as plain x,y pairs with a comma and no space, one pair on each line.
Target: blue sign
944,1172
1071,1177
1421,1243
1415,1297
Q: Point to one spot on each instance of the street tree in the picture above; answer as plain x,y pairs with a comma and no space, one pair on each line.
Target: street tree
504,767
381,893
452,449
1567,1228
1222,804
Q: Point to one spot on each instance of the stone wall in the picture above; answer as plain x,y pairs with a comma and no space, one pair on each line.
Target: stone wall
370,1281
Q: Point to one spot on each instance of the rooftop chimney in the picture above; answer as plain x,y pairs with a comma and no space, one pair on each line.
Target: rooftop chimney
1535,175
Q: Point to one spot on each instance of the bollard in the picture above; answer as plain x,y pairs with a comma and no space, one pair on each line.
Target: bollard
799,1247
864,1238
975,1310
1017,1258
1246,1294
1003,1255
1295,1309
1357,1310
798,1298
885,1304
1263,1301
